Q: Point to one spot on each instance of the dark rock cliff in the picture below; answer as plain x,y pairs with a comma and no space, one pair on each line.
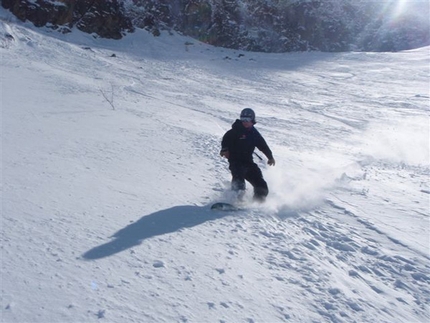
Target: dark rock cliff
104,18
255,25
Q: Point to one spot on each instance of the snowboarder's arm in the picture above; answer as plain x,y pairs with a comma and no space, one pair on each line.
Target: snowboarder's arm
264,148
225,143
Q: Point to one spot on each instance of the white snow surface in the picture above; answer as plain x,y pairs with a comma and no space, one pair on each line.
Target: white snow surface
110,164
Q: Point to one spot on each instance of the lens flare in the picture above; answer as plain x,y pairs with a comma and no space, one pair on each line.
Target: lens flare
399,7
394,9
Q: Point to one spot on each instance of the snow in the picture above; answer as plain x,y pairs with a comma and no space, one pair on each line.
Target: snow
110,164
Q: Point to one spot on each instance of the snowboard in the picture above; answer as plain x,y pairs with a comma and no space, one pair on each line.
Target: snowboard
223,206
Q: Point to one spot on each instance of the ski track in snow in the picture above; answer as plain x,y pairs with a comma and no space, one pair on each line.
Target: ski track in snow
106,209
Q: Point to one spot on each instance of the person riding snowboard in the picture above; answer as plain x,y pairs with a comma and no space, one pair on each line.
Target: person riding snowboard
238,146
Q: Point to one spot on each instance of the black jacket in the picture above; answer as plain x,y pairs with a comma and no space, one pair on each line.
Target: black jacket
241,142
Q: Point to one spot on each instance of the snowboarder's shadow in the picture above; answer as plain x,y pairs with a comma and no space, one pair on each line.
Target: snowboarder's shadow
155,224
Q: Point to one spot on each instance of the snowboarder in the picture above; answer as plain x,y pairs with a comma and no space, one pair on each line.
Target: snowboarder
238,146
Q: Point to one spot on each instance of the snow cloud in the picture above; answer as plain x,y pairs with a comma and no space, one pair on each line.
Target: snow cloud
404,141
298,187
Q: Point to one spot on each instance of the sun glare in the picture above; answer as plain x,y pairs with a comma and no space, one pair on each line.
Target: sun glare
396,9
400,6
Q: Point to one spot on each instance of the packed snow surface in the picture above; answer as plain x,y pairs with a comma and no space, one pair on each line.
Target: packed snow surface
110,162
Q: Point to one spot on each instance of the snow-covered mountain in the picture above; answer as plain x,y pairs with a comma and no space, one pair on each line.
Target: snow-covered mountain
110,162
253,25
291,25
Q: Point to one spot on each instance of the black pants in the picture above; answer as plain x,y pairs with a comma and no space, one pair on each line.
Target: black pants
251,173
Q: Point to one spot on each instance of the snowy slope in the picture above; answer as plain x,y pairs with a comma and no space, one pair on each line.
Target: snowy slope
110,163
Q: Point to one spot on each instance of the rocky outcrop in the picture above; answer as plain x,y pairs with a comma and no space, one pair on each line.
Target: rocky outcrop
254,25
104,18
290,25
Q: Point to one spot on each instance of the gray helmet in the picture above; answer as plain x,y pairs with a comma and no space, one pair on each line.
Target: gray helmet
248,114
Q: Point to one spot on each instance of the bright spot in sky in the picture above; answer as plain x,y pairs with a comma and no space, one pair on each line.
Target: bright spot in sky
400,7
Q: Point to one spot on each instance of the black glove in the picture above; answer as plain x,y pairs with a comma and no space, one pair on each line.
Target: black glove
225,153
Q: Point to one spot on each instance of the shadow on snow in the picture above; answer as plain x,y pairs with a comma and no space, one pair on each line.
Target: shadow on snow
152,225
